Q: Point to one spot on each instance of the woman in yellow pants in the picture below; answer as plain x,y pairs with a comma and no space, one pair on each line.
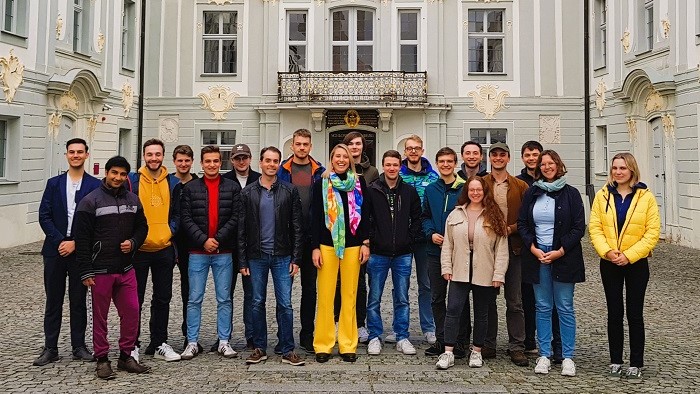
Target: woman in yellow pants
340,236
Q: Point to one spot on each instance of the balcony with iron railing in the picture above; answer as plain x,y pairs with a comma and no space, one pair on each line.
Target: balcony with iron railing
352,87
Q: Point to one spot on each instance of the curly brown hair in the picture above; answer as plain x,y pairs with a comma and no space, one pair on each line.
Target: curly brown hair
492,212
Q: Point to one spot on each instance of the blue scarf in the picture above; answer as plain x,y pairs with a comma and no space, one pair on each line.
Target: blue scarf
551,186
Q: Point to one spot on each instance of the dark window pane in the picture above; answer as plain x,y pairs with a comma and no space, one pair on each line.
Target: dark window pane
297,27
297,58
476,21
209,138
211,23
340,58
495,21
495,55
9,5
498,135
226,160
478,135
364,25
364,58
211,56
409,26
409,58
229,22
228,58
476,55
340,26
228,137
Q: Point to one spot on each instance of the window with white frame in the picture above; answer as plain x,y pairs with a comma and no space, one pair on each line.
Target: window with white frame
124,148
648,38
408,40
353,40
486,40
601,140
225,140
3,149
15,16
128,35
220,42
487,137
81,26
602,33
296,41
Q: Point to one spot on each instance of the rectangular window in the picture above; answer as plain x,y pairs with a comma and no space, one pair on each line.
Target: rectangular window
296,41
128,34
649,24
486,137
225,140
78,25
486,41
220,42
408,40
353,40
602,33
3,149
124,148
601,149
10,14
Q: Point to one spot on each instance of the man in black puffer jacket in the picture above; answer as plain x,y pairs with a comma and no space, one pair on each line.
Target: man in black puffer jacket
209,218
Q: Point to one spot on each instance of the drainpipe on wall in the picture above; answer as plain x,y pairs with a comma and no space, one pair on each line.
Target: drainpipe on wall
590,191
142,75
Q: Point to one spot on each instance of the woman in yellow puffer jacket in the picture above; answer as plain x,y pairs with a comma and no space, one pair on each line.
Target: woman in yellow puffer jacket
624,229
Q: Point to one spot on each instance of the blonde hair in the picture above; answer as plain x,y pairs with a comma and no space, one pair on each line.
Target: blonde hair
414,138
630,162
329,169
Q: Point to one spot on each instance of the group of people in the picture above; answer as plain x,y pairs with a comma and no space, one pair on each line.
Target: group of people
343,228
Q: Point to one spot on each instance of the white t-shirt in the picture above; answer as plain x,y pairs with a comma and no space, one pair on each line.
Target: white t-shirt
71,190
243,180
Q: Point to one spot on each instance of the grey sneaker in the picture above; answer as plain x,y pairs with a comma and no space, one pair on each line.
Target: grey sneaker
446,360
362,335
634,374
475,360
568,367
543,365
391,338
615,371
374,347
406,347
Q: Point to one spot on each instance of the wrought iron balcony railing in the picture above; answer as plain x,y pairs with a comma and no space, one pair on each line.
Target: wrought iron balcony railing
352,87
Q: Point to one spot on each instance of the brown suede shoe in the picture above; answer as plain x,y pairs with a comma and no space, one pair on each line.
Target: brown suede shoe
519,358
131,366
487,352
104,370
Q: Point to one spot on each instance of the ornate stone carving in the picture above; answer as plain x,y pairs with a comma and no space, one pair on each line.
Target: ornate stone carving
54,124
59,27
220,2
626,40
465,24
317,116
666,27
487,100
550,131
319,3
654,102
11,75
100,43
669,124
509,25
169,128
385,118
127,98
600,97
218,100
632,127
91,127
68,101
199,27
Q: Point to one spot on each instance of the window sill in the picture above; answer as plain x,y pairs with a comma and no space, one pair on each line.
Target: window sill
217,75
647,54
4,182
15,39
77,56
601,174
127,72
486,74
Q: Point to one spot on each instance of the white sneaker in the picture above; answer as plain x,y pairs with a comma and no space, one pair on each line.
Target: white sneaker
166,352
362,335
406,347
543,365
374,347
190,352
446,360
135,354
568,368
430,337
226,350
391,338
475,360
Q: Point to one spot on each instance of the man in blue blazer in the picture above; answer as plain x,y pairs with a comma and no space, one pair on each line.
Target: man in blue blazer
61,196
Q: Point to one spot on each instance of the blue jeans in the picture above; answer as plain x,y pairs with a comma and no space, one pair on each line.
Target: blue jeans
425,310
548,294
198,270
282,281
377,270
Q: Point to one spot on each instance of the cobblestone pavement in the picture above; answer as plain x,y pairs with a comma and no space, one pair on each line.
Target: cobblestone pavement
672,318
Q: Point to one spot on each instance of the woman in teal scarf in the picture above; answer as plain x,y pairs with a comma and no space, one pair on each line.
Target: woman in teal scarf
340,238
551,223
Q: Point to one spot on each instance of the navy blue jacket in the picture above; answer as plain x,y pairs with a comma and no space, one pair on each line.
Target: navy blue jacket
569,227
438,203
53,210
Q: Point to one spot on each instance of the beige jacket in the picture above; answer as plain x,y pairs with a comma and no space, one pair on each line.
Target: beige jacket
490,261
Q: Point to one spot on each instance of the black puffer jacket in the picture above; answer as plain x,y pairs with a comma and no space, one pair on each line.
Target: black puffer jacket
195,213
103,220
288,226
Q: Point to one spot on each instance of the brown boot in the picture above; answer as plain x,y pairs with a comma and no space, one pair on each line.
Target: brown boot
518,358
131,366
104,370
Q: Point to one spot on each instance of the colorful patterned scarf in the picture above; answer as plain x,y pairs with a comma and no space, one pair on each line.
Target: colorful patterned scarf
334,211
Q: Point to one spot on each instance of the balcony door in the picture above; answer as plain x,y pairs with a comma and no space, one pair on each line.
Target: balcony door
353,39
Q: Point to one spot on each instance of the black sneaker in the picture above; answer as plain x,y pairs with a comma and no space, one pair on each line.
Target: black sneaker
435,349
81,353
278,349
459,351
307,345
47,356
151,349
249,345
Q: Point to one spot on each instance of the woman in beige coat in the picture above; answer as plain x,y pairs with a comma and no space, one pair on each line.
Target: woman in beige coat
474,257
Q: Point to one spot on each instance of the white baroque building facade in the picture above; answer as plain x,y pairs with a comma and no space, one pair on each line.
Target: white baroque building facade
645,98
232,71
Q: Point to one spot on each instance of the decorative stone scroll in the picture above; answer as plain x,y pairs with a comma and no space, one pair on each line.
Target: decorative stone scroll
600,97
59,27
54,124
550,130
632,127
100,43
127,98
169,128
488,100
654,102
11,75
219,100
626,40
68,101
